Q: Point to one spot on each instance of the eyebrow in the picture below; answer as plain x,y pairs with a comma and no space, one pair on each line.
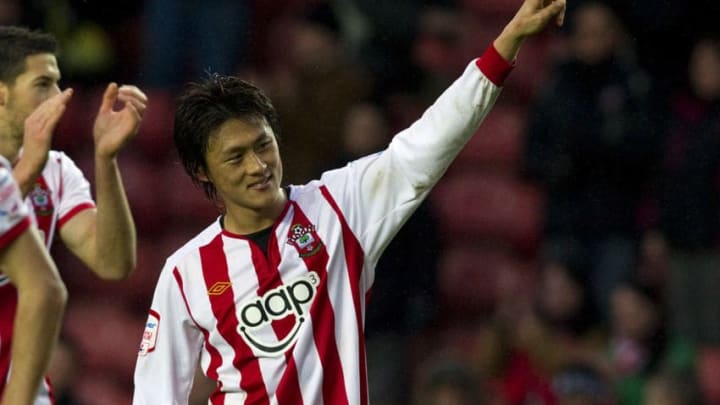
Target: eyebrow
262,137
43,78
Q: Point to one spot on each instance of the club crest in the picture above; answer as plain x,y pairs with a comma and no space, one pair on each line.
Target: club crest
40,197
305,239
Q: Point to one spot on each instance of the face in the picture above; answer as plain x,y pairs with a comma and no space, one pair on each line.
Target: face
596,35
633,316
704,71
560,297
243,163
36,84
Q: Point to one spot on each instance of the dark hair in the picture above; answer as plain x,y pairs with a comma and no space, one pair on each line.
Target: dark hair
205,106
16,44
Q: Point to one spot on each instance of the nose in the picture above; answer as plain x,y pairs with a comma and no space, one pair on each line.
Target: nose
257,165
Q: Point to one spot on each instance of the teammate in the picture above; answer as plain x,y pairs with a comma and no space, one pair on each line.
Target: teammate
102,234
270,298
41,296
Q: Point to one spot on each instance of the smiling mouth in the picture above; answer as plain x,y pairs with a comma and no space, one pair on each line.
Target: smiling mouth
261,185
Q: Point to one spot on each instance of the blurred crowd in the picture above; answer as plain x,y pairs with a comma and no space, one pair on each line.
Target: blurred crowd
569,256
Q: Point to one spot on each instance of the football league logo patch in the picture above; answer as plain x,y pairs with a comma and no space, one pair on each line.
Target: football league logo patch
149,337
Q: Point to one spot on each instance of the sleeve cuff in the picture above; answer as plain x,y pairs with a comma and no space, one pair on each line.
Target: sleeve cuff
494,66
80,207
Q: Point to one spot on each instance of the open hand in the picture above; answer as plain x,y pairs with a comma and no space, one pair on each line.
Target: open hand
534,15
531,18
39,127
113,129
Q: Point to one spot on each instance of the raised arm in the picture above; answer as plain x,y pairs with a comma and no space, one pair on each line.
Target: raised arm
105,238
382,190
530,19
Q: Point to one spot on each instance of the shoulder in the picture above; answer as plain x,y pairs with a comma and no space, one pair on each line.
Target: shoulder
190,249
58,160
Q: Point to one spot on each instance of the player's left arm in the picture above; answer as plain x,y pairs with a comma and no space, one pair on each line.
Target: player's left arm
105,238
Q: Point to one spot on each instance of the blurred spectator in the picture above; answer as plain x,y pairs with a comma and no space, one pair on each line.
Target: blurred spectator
441,49
640,344
403,295
447,382
688,225
564,301
183,38
98,41
671,389
314,82
591,140
581,384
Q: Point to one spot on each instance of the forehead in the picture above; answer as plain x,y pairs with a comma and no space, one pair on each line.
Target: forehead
42,64
237,132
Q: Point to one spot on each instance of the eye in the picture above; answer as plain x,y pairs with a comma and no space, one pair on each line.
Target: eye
235,159
264,145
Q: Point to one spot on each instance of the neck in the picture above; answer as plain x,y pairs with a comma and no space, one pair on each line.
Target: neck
244,221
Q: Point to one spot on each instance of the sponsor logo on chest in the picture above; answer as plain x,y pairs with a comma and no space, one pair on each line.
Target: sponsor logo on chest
288,300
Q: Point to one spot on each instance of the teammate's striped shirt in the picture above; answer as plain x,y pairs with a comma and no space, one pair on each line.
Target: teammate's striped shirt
58,194
286,327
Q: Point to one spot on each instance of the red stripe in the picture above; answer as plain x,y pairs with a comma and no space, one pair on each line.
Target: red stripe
215,269
74,211
321,312
8,306
215,357
354,258
288,390
51,393
14,232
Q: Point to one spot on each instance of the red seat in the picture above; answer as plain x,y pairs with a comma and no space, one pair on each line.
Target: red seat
484,206
708,372
107,336
183,200
498,143
154,136
500,10
471,277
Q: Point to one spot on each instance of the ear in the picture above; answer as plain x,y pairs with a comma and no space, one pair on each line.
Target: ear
202,175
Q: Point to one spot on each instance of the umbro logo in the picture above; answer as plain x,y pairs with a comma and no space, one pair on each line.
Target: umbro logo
219,288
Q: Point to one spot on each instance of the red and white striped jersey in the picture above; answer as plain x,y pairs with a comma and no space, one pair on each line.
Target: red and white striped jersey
287,327
58,194
14,217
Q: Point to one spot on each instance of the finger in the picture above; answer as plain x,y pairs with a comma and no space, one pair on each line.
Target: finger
136,115
55,105
131,90
109,98
560,19
65,95
555,10
138,104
